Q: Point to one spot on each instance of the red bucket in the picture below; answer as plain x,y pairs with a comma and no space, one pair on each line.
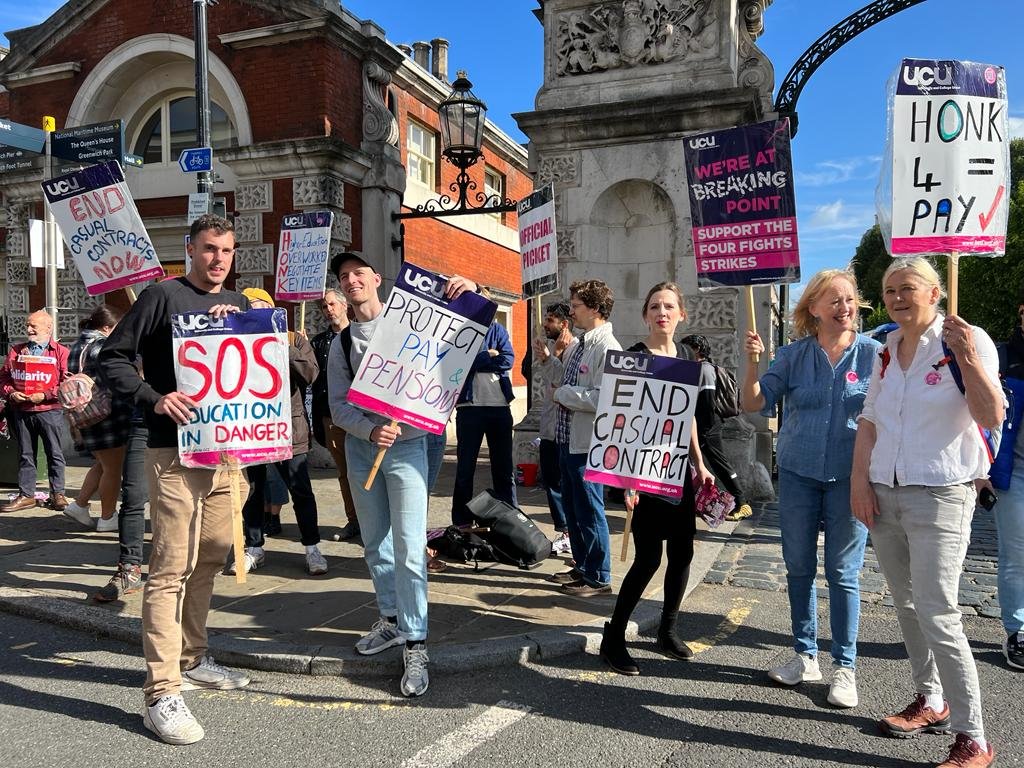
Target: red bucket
526,474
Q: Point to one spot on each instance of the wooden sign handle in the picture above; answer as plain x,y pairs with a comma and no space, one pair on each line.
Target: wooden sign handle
235,475
538,318
751,318
952,282
625,534
131,294
302,318
376,463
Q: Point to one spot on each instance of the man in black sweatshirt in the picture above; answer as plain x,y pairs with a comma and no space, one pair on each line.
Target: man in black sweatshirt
190,509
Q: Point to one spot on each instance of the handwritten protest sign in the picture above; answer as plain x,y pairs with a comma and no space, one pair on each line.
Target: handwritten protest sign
950,143
641,437
34,373
742,205
102,228
302,256
236,369
537,242
421,350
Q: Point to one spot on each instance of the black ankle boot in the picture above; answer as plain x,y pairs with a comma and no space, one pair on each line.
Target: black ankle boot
613,651
669,641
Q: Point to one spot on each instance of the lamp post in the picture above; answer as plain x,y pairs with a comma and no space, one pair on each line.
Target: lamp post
463,117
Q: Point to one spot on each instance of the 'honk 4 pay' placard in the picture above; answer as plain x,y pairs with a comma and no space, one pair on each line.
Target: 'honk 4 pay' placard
950,148
421,351
236,369
302,256
641,438
102,228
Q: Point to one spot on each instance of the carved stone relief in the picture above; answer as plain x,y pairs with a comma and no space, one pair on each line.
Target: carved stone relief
20,273
254,196
378,122
17,244
249,228
16,215
566,243
563,170
67,325
254,258
17,298
724,350
342,228
755,69
16,322
318,190
629,33
712,311
248,281
73,296
70,272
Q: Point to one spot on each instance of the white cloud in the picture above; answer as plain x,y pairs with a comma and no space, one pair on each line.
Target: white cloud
832,172
837,217
1017,127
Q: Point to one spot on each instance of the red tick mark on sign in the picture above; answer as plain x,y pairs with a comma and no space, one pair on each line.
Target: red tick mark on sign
986,219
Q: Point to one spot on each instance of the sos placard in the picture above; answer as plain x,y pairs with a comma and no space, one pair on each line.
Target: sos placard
641,438
236,369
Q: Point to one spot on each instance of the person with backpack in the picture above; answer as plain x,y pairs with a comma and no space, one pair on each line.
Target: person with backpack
716,384
918,454
655,518
106,440
822,377
393,512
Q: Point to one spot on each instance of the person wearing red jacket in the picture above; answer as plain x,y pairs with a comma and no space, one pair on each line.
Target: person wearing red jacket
29,380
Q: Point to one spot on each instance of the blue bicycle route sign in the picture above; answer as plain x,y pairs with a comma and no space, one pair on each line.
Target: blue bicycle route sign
196,160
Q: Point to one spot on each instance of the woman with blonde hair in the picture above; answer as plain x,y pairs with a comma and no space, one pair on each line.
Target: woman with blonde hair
822,378
918,452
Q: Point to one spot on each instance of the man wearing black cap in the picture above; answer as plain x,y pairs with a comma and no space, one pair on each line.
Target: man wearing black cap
393,513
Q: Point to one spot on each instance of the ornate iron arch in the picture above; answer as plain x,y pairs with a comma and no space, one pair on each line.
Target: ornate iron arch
825,46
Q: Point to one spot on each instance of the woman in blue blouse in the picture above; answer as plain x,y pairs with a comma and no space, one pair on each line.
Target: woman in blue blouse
823,378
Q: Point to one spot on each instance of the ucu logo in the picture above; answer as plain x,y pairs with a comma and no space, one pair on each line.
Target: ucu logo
424,284
199,322
703,142
63,186
925,77
294,221
629,363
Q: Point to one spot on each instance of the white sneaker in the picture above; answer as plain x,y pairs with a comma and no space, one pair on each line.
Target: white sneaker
561,546
802,668
79,514
383,634
211,675
106,525
415,678
316,563
254,558
170,719
843,692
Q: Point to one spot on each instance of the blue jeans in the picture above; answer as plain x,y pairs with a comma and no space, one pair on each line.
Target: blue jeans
472,424
805,504
436,445
551,479
1009,513
583,503
393,522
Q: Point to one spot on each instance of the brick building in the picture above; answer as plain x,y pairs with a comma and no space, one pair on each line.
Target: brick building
312,109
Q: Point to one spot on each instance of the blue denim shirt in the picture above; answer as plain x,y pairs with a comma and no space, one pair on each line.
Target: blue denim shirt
819,420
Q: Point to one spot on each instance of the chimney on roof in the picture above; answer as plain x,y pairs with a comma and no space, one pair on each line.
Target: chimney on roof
439,58
421,54
406,49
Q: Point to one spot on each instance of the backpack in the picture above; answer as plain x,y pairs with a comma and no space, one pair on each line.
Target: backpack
85,402
515,538
727,396
463,547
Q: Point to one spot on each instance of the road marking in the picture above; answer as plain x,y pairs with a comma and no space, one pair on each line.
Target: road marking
454,746
733,620
286,702
22,647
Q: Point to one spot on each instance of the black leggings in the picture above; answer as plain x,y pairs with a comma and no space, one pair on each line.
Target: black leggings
656,520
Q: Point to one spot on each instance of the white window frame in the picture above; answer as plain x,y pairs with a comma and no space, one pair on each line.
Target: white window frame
164,106
491,190
415,149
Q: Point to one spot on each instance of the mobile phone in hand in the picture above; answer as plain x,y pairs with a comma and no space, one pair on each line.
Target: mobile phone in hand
987,498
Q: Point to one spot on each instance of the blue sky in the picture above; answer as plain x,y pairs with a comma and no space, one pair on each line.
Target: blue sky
842,109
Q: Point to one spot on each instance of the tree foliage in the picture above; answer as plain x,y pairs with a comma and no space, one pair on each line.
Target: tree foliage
990,290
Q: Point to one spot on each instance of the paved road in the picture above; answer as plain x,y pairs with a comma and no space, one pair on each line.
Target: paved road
67,699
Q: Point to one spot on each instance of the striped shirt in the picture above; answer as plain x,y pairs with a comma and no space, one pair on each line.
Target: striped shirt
570,377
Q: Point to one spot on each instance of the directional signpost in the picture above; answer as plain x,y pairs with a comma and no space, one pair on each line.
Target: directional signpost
196,160
89,144
21,136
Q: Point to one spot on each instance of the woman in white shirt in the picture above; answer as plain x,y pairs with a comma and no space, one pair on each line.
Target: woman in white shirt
917,455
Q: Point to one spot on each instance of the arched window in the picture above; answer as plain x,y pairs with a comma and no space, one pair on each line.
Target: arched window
171,128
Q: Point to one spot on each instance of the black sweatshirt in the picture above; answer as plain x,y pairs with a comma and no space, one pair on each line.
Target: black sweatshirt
146,332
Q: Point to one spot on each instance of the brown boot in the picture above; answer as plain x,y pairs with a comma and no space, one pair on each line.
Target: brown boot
22,502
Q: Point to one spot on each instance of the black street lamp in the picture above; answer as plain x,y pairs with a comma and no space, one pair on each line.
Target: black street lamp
463,116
